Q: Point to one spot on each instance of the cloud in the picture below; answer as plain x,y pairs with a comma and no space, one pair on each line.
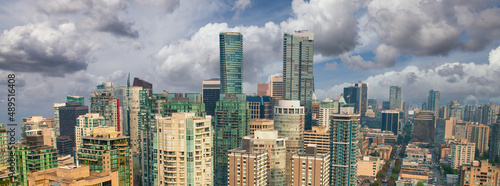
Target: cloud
166,5
240,6
458,80
331,66
52,50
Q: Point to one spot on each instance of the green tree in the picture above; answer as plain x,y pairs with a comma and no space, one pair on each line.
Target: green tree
420,183
400,139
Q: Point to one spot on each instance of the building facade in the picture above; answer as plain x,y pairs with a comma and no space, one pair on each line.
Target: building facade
390,121
310,167
85,124
462,153
396,98
277,87
231,62
211,94
479,173
424,126
343,147
433,102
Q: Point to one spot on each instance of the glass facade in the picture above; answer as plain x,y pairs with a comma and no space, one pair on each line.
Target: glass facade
343,149
231,62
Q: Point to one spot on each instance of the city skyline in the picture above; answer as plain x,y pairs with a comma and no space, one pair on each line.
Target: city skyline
103,42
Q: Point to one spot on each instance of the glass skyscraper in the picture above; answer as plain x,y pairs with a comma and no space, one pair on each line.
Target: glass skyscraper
396,98
433,102
231,60
298,51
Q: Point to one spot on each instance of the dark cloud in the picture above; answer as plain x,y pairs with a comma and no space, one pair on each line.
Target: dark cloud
42,48
411,78
119,28
452,71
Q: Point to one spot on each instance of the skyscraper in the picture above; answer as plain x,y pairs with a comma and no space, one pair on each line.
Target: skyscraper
211,94
390,121
298,52
480,135
108,107
455,109
424,126
277,87
231,62
495,141
462,153
352,96
310,167
363,97
469,111
289,121
247,166
232,123
396,98
85,124
344,129
67,120
433,102
186,143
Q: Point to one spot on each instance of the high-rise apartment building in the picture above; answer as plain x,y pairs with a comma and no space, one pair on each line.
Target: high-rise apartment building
264,89
277,87
396,98
462,153
246,166
37,122
85,124
121,93
424,126
298,52
211,94
469,111
289,119
232,123
363,97
107,150
455,109
344,129
231,62
108,107
33,155
489,114
310,167
327,107
390,121
479,173
319,136
261,107
433,102
480,135
494,149
444,129
4,150
185,150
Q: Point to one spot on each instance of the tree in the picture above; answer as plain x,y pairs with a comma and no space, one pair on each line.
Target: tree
400,139
420,183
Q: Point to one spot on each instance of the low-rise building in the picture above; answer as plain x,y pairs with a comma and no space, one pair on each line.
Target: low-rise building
369,165
72,176
479,173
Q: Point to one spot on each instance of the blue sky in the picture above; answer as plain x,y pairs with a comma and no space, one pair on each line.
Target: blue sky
65,47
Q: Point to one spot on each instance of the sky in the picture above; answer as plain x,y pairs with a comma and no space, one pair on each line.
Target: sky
66,47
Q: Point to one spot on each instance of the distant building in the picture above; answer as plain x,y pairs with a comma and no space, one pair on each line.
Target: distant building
298,52
455,109
319,136
231,62
479,173
480,135
264,89
211,94
489,114
85,124
72,175
261,124
495,141
390,121
369,166
277,87
4,150
327,107
108,107
424,126
64,145
37,122
261,107
352,96
444,129
469,111
310,167
396,98
433,102
363,100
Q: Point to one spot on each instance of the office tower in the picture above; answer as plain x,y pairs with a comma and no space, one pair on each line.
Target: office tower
298,52
327,107
138,82
390,121
479,173
211,94
462,153
178,102
469,111
444,112
261,107
4,150
274,145
310,167
36,122
71,175
64,145
480,135
494,149
396,98
33,155
478,114
319,136
352,97
444,129
489,114
261,124
108,107
67,120
263,89
277,87
232,123
373,103
246,166
363,97
424,126
455,109
433,102
185,150
121,93
85,124
107,150
344,129
289,119
231,62
315,109
56,118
